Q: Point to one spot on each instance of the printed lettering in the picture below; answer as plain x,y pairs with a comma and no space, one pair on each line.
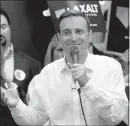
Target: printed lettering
82,8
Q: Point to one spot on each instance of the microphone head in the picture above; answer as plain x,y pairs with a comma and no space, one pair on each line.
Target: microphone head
74,52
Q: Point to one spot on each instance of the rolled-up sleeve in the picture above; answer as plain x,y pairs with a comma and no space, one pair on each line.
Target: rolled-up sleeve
34,113
109,99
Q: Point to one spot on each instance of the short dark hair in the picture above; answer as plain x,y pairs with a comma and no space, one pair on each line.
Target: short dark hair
2,12
74,13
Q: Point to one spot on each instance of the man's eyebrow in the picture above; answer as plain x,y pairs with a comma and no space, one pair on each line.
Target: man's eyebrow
79,29
67,29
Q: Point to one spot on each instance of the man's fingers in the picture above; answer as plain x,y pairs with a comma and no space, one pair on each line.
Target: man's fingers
88,70
81,66
3,96
77,75
11,85
69,65
81,69
8,84
2,90
76,69
77,65
5,100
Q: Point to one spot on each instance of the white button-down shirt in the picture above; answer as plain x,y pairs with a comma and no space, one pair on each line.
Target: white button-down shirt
52,101
7,66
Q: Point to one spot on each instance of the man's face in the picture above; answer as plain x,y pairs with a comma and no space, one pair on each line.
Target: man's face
74,31
5,31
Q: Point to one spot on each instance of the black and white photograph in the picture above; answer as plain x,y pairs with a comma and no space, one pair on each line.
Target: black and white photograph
64,62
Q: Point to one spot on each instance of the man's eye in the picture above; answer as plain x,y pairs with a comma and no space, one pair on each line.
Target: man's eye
66,33
4,26
79,31
60,50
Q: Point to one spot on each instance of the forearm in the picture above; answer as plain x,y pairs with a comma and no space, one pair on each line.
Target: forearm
113,53
111,109
25,115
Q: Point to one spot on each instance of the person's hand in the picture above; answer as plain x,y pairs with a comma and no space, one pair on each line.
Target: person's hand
125,56
10,95
79,72
127,78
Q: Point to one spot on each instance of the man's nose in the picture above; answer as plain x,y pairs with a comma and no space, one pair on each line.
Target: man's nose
2,32
73,37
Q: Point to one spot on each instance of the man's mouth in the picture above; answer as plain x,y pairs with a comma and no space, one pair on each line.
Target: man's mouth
2,40
70,43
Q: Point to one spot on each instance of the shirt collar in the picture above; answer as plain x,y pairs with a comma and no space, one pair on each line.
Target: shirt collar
11,51
65,67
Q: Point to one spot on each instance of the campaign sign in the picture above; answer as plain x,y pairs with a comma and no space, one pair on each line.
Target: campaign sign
90,7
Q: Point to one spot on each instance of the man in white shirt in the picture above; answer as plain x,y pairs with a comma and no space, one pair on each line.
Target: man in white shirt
79,89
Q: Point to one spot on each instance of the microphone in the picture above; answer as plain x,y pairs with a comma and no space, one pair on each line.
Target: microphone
74,52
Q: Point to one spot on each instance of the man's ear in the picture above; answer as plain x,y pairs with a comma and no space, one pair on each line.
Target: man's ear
59,39
90,36
58,36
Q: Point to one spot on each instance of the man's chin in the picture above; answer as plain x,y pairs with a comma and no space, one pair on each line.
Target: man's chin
3,42
5,47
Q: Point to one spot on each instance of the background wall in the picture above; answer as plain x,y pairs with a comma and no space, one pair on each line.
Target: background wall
31,31
118,38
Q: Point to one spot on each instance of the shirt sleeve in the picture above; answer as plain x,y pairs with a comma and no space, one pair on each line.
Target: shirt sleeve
109,99
34,113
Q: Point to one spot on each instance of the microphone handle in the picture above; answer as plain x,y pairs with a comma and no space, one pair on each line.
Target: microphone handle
75,58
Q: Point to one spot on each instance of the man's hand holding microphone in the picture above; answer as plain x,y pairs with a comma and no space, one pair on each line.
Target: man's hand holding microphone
79,71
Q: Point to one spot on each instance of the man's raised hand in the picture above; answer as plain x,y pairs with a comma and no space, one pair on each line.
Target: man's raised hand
10,95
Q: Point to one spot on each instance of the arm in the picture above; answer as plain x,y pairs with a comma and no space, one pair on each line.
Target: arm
100,47
34,113
109,101
113,53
